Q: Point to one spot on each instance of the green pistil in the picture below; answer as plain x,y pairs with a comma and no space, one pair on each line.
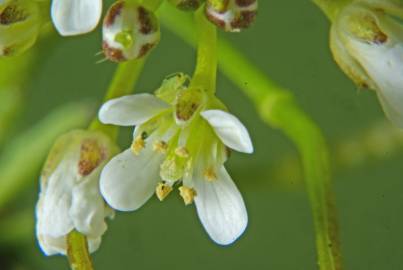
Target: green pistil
219,5
174,166
125,38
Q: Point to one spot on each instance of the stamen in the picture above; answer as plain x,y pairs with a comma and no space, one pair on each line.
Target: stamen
138,145
160,147
187,194
182,152
162,190
210,174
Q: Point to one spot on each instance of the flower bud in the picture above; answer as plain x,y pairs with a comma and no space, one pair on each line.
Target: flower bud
187,5
231,15
70,198
19,26
367,43
129,31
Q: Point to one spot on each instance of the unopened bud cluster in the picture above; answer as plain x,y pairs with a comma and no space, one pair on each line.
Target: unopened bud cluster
130,29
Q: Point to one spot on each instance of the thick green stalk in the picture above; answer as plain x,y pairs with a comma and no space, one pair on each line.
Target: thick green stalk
331,7
206,68
278,108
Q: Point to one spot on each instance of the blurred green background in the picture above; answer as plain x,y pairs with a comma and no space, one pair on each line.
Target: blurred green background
289,42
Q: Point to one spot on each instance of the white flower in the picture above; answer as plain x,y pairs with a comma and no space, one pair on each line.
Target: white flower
75,17
181,138
70,198
367,43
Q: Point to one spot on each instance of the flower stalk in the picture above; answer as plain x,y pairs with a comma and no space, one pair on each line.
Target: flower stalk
77,252
278,109
206,68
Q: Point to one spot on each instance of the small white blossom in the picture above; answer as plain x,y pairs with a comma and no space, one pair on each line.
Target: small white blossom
70,198
181,138
75,17
367,43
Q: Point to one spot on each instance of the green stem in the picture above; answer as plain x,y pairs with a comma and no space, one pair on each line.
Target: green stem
206,67
278,108
124,79
331,7
77,252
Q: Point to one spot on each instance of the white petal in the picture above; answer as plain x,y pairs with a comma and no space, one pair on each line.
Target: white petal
129,180
221,208
58,245
230,130
52,245
74,17
93,244
131,110
88,209
384,63
54,202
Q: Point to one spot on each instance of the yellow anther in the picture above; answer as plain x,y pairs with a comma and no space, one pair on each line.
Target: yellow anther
187,194
210,174
162,190
160,147
182,152
138,145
